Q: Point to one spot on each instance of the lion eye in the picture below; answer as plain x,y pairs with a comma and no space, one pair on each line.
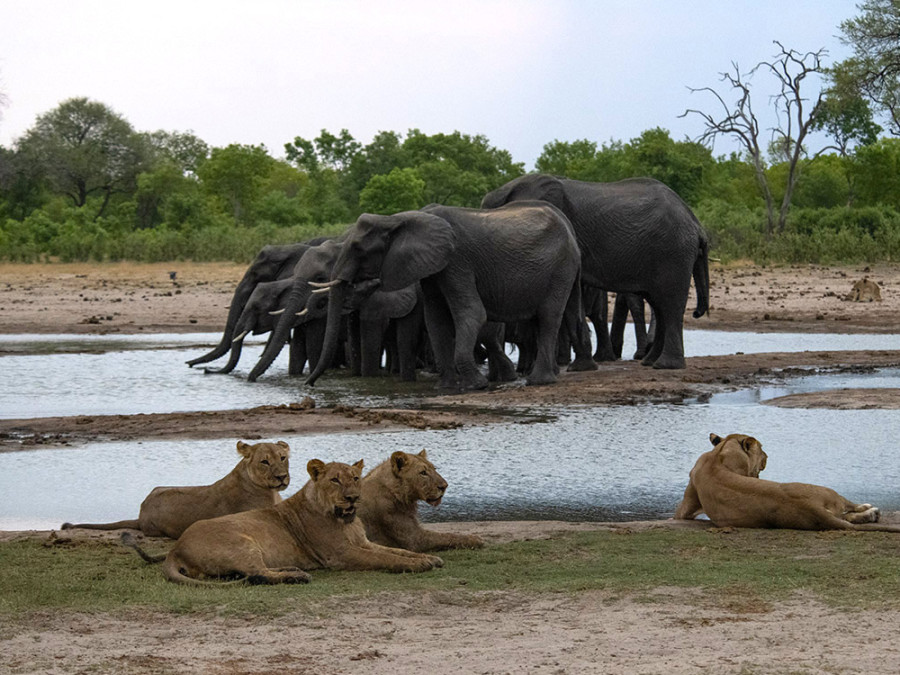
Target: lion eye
335,480
265,461
424,472
355,479
282,458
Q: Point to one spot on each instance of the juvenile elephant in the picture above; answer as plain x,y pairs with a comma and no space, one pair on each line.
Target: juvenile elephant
261,314
636,236
516,263
271,264
373,309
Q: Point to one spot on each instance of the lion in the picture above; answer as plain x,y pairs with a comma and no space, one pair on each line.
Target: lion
389,499
725,485
254,483
864,290
316,528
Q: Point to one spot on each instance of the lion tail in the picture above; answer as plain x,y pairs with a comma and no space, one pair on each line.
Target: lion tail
118,525
127,539
174,571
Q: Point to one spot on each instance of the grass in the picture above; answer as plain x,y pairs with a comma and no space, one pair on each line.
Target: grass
745,570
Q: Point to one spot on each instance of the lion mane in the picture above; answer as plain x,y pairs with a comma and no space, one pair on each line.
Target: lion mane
725,485
316,528
254,483
388,506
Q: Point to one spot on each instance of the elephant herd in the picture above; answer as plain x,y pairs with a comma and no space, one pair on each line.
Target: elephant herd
446,284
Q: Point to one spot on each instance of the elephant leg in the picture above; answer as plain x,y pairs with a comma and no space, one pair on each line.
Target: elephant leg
667,350
469,315
354,353
563,347
371,345
545,368
441,335
619,319
598,312
500,366
636,308
297,355
314,332
406,332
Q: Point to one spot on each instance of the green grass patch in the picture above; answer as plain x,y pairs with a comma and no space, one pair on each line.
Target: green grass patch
746,570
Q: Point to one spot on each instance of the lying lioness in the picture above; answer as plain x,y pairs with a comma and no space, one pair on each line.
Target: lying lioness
254,483
315,528
724,484
389,503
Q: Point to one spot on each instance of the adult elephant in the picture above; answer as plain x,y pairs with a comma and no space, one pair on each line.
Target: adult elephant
271,264
511,264
636,236
374,308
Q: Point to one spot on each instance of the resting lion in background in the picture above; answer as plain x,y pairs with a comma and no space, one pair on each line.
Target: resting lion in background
314,529
254,483
389,499
724,484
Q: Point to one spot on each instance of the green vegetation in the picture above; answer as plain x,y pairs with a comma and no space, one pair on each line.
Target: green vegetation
744,568
83,184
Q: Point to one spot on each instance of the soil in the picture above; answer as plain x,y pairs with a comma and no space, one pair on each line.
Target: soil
500,632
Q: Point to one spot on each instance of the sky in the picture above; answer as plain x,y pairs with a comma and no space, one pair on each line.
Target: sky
522,73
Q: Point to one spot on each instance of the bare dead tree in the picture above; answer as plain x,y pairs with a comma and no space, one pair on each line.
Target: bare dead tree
795,120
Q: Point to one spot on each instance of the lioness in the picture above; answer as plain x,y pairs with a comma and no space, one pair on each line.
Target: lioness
252,484
389,503
724,484
315,528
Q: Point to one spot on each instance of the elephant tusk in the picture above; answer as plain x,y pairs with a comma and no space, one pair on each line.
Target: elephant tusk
321,290
325,284
277,312
241,336
305,310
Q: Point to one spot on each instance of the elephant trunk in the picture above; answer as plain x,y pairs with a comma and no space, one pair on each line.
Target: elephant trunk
233,359
281,333
336,297
241,295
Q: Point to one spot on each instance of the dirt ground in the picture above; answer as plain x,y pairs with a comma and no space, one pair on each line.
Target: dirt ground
438,632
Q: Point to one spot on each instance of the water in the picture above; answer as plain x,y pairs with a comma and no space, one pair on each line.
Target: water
136,375
611,463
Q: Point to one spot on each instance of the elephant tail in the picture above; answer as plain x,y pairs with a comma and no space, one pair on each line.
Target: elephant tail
701,277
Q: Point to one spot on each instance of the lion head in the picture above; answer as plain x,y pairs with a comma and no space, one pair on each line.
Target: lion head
418,477
267,463
336,487
740,453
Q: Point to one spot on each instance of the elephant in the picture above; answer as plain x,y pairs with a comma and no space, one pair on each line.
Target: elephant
516,263
636,236
271,264
374,308
260,316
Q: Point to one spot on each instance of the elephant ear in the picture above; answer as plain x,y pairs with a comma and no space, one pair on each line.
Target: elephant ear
420,245
548,188
389,304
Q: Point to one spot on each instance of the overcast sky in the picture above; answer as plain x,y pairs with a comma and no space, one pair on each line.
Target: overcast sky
521,73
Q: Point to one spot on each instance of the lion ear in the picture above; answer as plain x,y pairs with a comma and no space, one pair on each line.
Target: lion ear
747,444
359,466
423,454
287,448
315,467
243,448
715,439
398,461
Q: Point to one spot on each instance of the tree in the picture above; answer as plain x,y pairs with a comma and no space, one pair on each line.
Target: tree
399,190
874,68
85,149
681,165
790,69
184,150
327,160
236,174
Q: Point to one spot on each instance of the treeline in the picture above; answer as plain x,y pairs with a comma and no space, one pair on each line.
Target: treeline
82,184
